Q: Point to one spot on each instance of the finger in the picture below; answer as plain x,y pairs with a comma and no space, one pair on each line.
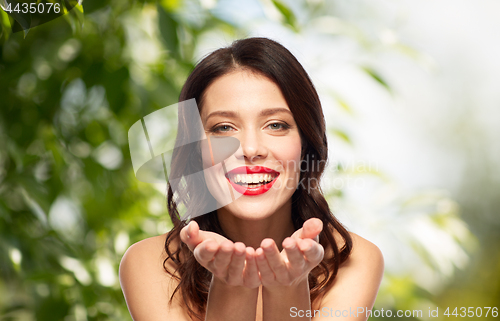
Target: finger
266,274
311,228
223,256
205,252
190,235
275,260
235,269
294,255
183,235
312,251
251,274
297,233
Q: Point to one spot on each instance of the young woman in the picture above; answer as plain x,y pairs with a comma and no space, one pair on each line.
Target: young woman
276,252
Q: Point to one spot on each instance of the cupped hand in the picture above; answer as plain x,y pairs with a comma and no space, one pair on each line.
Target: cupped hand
232,263
301,253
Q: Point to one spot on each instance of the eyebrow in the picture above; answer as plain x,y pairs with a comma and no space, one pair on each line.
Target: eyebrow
265,112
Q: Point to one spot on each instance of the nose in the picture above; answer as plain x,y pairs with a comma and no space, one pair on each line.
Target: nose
252,147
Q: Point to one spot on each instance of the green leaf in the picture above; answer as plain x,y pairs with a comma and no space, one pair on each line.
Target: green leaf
170,5
4,21
74,16
20,21
168,31
287,13
78,12
342,135
342,103
377,77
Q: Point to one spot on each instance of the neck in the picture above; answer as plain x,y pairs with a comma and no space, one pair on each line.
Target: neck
251,232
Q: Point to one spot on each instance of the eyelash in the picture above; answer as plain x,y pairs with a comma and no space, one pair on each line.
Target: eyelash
216,130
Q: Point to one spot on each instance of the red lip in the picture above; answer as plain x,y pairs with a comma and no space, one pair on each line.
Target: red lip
252,170
257,190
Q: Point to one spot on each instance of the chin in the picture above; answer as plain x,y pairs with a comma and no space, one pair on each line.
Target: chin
250,210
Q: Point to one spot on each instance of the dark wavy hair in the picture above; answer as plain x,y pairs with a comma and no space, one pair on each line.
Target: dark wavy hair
272,60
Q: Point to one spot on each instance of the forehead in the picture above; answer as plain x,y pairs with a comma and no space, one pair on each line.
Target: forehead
244,92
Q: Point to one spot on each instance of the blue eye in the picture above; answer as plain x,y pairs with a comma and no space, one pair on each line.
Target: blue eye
278,126
226,128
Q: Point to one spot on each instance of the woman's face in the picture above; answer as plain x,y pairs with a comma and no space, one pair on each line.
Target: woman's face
264,172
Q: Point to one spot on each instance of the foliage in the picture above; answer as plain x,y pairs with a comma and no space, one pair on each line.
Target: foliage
70,204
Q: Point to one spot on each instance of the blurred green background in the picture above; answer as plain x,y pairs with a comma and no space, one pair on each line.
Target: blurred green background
70,204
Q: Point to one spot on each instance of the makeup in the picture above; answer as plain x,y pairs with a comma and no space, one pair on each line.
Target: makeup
252,180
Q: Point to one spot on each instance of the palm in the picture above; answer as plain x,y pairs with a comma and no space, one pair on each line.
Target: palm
267,266
233,263
301,253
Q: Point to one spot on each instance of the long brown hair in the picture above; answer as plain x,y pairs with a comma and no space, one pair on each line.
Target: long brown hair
270,59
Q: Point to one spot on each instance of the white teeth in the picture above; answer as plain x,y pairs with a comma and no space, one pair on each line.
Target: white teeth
252,178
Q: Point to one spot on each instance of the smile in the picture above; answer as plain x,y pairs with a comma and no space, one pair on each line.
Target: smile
252,180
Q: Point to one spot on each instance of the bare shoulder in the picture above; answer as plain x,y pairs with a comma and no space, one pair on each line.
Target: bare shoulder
358,279
366,254
146,255
146,285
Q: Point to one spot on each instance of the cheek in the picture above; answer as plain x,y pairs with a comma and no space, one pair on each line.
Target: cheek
206,156
288,153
